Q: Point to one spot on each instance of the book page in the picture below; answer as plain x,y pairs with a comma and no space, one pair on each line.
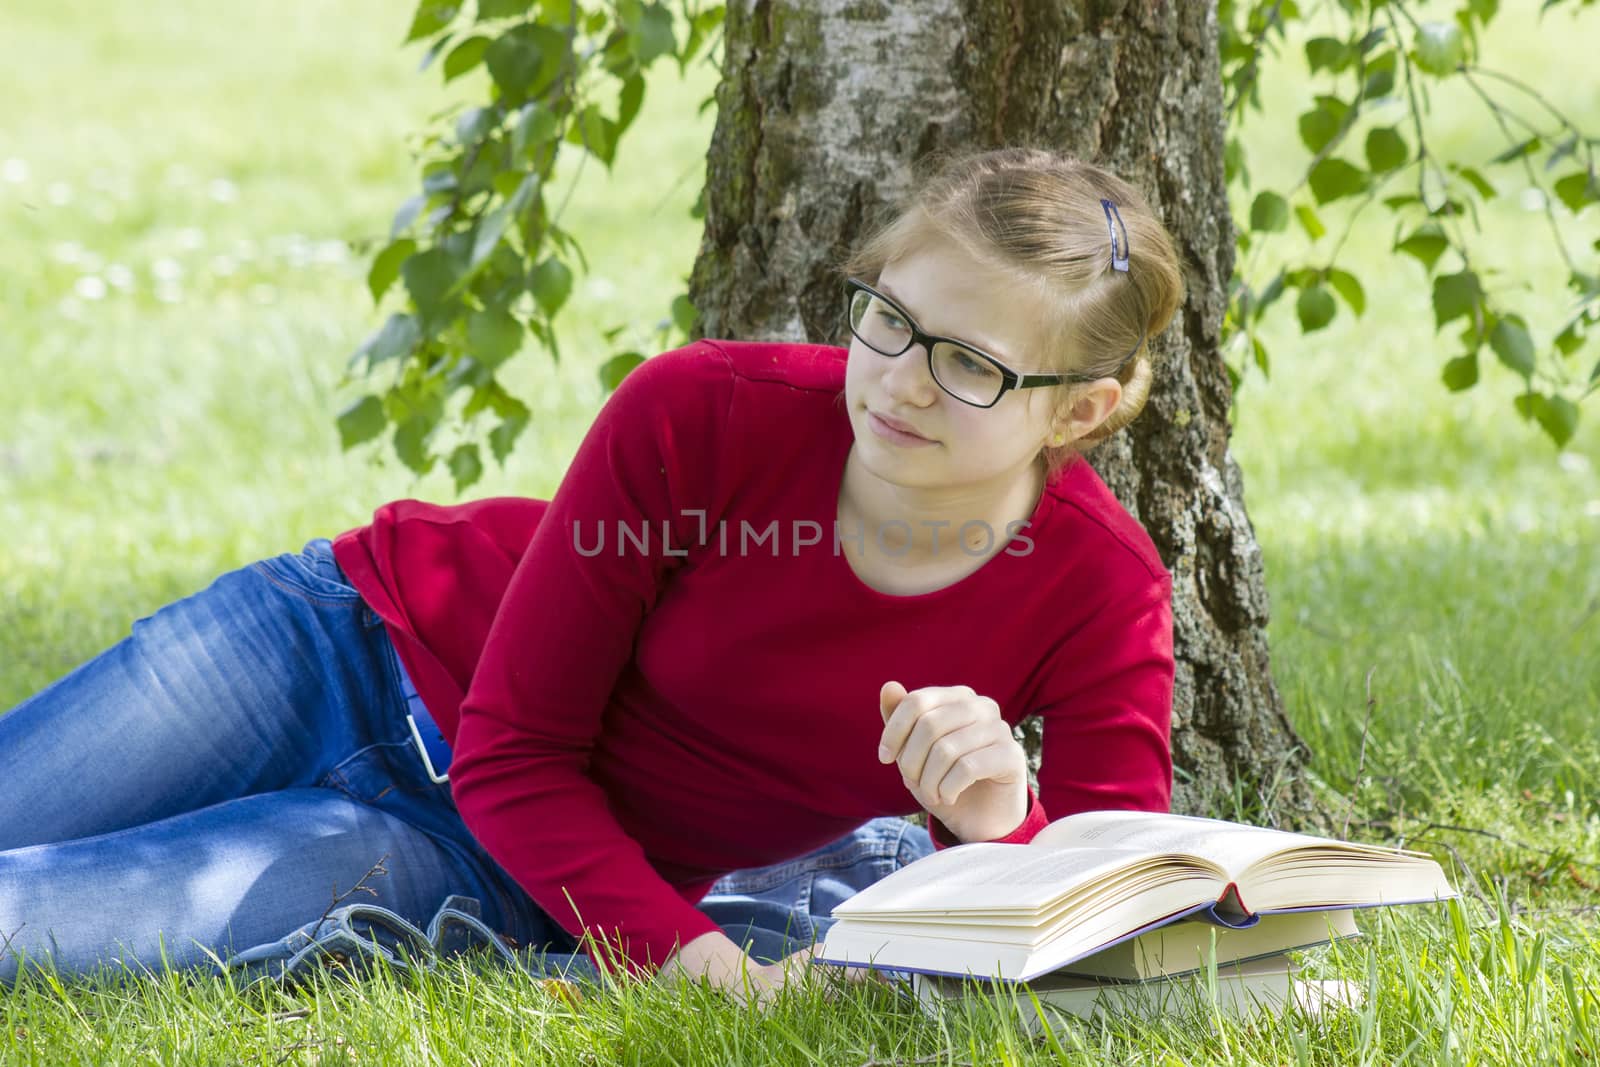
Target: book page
969,878
1231,846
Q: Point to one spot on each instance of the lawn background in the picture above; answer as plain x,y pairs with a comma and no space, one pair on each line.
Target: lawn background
180,184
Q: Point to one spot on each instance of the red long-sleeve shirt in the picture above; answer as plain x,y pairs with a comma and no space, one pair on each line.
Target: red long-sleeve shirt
633,715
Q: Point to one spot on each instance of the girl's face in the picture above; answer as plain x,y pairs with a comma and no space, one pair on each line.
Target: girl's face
968,450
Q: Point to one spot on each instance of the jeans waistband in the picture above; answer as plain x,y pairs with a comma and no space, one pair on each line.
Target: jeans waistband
425,733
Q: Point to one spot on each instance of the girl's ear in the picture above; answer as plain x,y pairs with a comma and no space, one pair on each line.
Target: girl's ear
1093,406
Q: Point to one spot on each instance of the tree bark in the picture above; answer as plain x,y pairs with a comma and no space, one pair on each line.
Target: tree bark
823,107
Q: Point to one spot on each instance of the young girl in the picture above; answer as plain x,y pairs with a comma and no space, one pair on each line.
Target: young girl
784,591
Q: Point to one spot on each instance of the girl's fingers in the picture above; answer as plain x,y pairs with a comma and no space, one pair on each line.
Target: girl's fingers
902,719
949,766
992,761
932,729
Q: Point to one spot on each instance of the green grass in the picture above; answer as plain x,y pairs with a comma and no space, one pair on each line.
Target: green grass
223,156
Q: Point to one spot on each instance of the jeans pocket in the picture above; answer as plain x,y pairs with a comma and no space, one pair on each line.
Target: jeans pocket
312,572
370,774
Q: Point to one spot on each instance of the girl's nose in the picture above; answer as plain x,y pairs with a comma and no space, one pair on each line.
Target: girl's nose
908,377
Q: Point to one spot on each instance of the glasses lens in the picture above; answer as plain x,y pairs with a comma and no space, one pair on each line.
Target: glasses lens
965,374
878,324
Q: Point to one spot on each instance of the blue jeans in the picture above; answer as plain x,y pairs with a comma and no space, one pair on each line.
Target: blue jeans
229,773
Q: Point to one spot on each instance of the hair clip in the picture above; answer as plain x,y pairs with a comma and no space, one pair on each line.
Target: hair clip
1119,253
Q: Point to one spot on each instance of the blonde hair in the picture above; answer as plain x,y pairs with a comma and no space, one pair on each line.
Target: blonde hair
1037,216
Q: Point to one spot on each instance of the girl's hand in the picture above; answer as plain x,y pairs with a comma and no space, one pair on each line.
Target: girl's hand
714,958
957,756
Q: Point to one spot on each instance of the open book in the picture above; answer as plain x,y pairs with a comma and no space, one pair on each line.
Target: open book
1089,881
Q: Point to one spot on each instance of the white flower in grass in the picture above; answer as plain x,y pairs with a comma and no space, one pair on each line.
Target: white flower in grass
119,276
222,266
90,287
169,292
167,269
190,238
59,194
14,171
223,191
68,252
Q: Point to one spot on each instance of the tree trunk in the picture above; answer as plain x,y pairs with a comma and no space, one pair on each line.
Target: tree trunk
823,107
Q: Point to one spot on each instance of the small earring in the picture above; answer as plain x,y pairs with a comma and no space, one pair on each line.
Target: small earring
1059,439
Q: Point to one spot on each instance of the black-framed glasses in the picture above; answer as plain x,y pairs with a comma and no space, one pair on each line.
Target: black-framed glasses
967,374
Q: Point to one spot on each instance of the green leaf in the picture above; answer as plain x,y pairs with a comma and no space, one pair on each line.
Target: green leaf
629,102
1483,10
1270,212
473,123
525,59
386,266
465,466
551,284
493,336
439,45
1328,53
1427,244
361,421
431,17
652,35
1570,339
1350,289
504,436
596,133
503,9
1386,149
1334,178
1455,296
1512,343
1439,47
613,370
1315,308
1557,415
396,337
1233,163
464,56
1380,76
1258,352
1576,190
1478,182
683,313
430,278
1319,126
1268,296
406,214
1517,151
411,442
1461,373
536,127
1309,222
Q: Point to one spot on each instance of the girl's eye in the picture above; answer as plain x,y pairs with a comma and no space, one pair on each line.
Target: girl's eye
970,364
891,320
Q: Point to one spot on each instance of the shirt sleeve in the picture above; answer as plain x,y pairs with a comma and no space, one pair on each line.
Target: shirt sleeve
1034,821
534,710
1107,734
